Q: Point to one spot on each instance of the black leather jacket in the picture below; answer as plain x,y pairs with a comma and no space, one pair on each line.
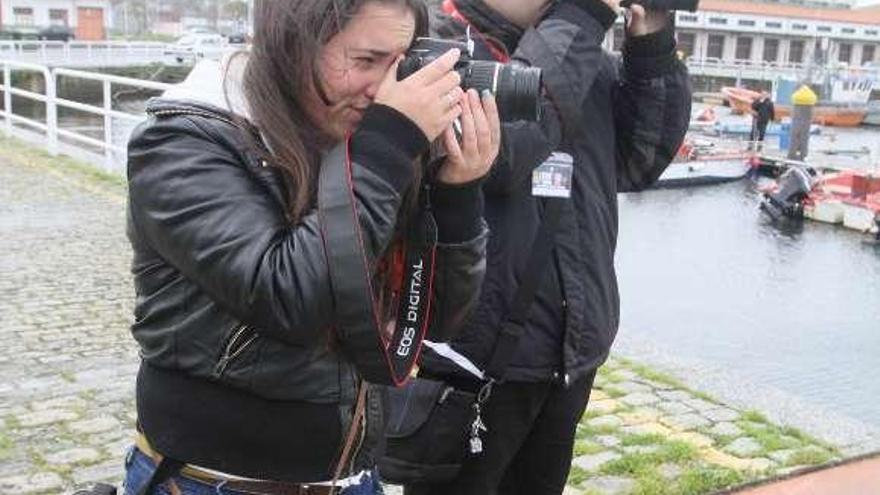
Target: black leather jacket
230,294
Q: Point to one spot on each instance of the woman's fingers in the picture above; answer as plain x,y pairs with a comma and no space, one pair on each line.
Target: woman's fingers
469,144
437,69
481,126
490,106
450,142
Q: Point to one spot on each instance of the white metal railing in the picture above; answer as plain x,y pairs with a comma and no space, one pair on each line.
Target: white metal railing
44,51
49,130
771,70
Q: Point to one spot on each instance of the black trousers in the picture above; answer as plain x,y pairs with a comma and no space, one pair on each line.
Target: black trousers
759,130
528,446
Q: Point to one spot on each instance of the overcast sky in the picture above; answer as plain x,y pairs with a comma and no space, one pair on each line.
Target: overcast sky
866,2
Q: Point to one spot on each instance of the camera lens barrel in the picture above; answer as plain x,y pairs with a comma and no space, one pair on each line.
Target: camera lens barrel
517,89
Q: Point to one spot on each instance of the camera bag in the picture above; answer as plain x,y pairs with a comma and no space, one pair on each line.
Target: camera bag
432,426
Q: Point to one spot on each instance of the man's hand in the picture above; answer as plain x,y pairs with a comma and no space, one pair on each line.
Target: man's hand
640,22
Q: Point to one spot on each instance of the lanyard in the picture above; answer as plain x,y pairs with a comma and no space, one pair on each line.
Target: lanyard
499,54
358,317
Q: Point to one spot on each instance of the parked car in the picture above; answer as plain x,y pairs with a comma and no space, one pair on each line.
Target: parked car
56,33
237,38
19,33
196,46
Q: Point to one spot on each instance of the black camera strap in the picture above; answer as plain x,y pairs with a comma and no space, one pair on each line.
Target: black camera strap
513,326
358,318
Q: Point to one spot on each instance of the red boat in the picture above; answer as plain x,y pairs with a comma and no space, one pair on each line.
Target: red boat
848,197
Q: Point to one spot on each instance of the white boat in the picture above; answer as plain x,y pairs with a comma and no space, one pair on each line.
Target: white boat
703,172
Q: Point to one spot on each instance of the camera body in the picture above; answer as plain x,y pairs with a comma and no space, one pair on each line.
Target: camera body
517,89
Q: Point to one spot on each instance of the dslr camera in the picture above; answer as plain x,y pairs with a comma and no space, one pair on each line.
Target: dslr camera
517,89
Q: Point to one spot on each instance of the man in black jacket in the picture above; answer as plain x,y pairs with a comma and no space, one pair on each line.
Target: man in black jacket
762,113
622,120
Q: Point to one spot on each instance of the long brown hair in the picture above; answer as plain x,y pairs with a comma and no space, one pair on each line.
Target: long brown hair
282,65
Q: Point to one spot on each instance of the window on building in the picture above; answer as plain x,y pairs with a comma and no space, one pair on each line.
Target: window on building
23,16
799,27
796,51
686,43
58,17
871,32
715,47
746,22
844,52
848,31
717,20
773,25
688,18
824,29
771,50
744,48
868,52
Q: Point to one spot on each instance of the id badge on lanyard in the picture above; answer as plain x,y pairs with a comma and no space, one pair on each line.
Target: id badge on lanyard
553,178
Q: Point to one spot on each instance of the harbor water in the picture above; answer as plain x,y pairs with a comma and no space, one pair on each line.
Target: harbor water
706,277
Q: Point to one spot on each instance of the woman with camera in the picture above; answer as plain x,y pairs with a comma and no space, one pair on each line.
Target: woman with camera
248,381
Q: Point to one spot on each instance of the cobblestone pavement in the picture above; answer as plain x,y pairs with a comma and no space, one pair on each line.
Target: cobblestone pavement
67,362
645,433
67,369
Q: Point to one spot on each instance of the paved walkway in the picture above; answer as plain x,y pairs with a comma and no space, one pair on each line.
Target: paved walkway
67,361
67,367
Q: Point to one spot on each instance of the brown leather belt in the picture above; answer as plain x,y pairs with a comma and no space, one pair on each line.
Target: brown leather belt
244,485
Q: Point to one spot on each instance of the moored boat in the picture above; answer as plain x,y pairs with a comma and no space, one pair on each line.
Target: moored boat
702,162
835,116
847,197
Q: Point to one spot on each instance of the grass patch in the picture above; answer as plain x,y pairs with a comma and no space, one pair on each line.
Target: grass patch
652,484
807,439
676,451
703,395
770,439
653,375
644,464
12,422
586,447
754,417
577,476
590,431
592,413
641,439
701,480
614,393
5,446
630,465
664,379
20,152
809,457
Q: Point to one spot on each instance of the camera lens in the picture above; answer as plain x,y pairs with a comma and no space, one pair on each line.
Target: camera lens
517,89
519,93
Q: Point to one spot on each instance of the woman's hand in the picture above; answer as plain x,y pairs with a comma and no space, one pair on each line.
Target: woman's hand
428,97
480,140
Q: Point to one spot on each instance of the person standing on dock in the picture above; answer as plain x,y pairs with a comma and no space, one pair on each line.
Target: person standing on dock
762,113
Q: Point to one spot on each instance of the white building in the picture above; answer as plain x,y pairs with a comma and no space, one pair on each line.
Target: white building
779,32
89,19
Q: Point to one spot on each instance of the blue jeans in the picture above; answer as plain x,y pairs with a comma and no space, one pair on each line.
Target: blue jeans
139,468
